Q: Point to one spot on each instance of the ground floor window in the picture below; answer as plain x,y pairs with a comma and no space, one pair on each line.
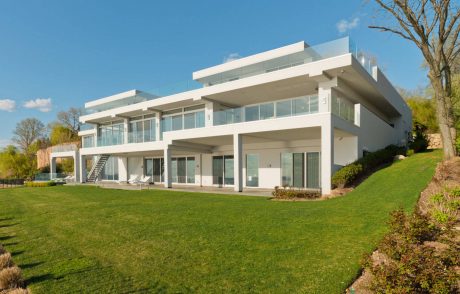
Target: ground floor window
300,170
110,171
223,170
252,170
182,169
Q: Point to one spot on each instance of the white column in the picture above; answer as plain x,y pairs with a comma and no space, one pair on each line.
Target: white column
209,114
123,169
158,126
167,168
52,167
325,95
82,168
327,156
76,166
238,162
125,130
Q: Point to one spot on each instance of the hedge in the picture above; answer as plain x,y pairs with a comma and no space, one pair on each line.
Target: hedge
40,184
292,193
349,173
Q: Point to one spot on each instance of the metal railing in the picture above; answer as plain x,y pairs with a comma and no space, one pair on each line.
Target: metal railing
10,183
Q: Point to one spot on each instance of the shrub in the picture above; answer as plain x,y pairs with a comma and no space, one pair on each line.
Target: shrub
445,207
347,175
11,278
39,184
410,265
410,152
5,261
2,250
291,193
17,291
420,140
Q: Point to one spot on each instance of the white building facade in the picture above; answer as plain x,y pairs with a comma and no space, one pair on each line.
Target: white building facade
291,116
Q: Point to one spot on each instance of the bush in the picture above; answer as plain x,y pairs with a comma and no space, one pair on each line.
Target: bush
420,141
2,250
349,173
445,207
292,193
17,291
410,152
40,184
346,175
11,278
5,261
410,264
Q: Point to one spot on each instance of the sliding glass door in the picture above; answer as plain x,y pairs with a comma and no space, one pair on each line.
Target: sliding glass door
223,170
154,169
301,170
252,170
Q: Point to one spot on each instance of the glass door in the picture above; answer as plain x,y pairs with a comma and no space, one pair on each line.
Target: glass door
313,170
298,164
229,174
217,170
157,170
252,170
181,170
148,166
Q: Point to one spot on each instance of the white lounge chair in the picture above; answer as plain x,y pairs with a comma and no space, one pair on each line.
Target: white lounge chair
133,180
144,181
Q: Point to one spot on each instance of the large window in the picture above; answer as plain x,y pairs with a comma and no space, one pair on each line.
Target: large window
111,134
300,170
252,170
110,171
142,129
182,169
183,118
223,170
88,141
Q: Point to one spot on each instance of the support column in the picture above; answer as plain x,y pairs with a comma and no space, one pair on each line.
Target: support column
158,126
209,114
82,169
125,131
167,168
327,156
52,167
238,162
76,166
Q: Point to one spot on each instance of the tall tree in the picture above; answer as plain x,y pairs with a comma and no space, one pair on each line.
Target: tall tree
70,119
433,26
27,132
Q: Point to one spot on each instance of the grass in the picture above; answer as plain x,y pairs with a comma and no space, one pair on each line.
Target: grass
87,239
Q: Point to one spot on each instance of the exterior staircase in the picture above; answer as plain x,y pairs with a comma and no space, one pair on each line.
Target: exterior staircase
97,168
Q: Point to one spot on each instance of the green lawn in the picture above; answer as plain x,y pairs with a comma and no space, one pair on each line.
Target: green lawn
86,239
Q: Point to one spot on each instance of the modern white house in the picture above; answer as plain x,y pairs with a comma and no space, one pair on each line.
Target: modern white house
291,116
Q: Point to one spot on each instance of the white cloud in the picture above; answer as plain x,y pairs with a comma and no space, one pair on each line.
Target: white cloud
42,104
7,105
346,25
231,57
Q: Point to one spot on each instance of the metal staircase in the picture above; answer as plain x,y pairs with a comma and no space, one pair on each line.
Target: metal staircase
97,168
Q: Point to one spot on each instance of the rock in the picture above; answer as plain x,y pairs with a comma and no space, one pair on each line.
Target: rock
434,141
399,157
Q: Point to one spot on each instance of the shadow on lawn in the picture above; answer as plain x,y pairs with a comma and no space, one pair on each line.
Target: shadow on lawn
39,279
30,265
4,238
8,225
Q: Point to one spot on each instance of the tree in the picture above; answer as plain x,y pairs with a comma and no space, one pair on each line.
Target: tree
433,26
62,134
27,132
15,164
70,119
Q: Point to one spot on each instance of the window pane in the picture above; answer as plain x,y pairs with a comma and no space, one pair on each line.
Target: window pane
189,121
313,104
283,108
199,119
174,170
191,170
181,170
252,113
267,111
228,173
166,124
147,131
252,170
313,170
217,170
298,170
286,169
300,105
177,122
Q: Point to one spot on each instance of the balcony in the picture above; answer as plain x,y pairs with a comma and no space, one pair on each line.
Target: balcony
141,136
277,109
65,147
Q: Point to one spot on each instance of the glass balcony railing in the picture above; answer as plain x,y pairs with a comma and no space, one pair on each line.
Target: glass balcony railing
310,54
86,127
141,136
110,140
277,109
343,109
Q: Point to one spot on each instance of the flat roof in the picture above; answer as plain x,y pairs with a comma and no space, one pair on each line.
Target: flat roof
250,60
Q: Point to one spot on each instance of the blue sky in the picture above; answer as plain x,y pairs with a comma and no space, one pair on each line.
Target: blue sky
56,54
